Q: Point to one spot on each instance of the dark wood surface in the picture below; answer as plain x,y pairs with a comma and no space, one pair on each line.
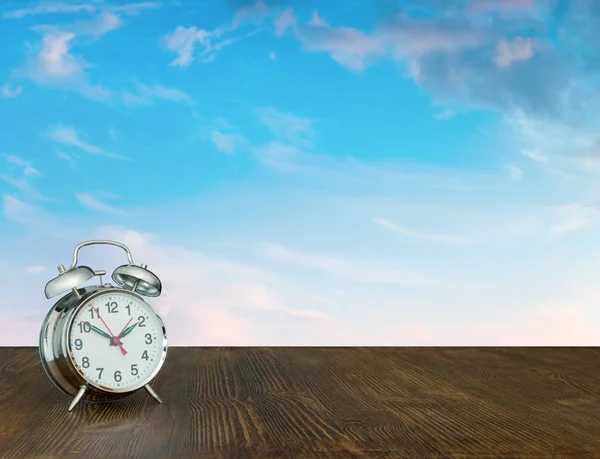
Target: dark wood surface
319,402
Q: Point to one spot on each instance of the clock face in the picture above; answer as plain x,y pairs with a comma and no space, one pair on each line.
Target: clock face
117,341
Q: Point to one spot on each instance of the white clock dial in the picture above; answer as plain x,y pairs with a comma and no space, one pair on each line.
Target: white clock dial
117,341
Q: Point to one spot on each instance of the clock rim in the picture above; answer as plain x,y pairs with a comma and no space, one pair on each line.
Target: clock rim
163,356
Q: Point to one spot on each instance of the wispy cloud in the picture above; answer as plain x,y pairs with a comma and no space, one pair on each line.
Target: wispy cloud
26,188
256,13
17,210
227,143
55,66
515,173
574,217
24,181
349,47
146,95
353,270
93,202
183,41
287,127
190,43
65,157
54,58
9,91
26,166
435,238
68,135
50,8
517,49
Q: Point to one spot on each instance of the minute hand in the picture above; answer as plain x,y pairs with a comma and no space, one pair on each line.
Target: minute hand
128,330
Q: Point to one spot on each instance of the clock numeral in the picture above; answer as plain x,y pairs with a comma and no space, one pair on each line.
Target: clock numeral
85,327
141,320
134,370
92,312
145,355
99,370
148,338
118,376
78,344
85,362
128,309
112,306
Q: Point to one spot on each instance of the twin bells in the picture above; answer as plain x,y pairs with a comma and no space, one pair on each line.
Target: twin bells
130,276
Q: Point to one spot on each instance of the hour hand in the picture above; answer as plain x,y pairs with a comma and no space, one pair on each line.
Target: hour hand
103,333
128,330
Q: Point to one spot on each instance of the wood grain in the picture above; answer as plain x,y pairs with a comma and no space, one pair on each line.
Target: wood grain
319,402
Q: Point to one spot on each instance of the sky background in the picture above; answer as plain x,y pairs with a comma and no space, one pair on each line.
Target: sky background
384,172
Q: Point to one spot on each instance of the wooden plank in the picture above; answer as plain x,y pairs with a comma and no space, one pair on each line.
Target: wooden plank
319,402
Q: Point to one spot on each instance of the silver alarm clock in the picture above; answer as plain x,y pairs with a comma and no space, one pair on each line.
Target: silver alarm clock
103,342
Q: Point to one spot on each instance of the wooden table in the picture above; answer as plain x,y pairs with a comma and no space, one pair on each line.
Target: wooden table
319,402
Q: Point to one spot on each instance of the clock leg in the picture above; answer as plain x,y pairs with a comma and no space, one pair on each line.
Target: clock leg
77,398
152,393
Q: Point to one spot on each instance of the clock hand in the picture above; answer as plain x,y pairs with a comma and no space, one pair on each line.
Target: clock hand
121,334
128,330
113,338
103,333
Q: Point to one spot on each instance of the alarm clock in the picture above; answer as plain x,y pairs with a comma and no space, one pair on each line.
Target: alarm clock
103,342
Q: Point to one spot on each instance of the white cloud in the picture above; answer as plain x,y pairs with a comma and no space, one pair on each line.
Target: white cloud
17,210
82,7
412,38
8,91
515,173
573,217
294,129
54,66
102,24
256,13
436,238
182,42
227,143
28,169
509,51
94,203
65,157
146,95
535,156
285,21
54,58
133,9
349,47
272,56
68,135
353,270
50,8
26,188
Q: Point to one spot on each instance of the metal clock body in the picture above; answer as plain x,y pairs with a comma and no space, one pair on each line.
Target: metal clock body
103,342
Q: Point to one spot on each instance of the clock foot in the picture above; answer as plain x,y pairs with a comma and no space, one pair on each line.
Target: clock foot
77,398
152,393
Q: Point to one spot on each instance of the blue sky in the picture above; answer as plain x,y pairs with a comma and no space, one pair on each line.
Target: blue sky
386,172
